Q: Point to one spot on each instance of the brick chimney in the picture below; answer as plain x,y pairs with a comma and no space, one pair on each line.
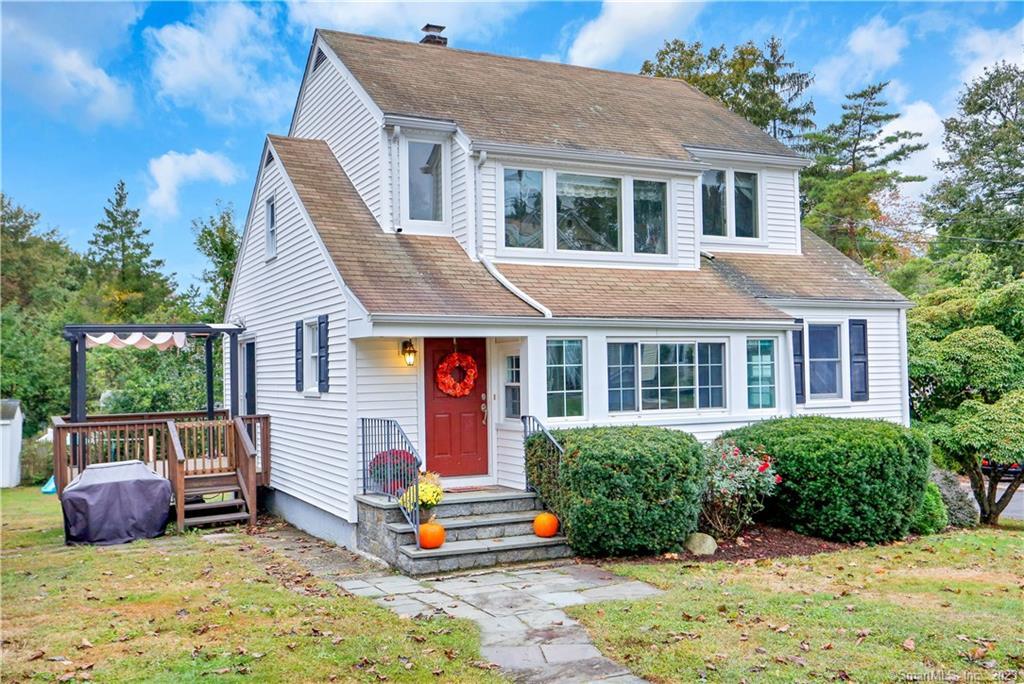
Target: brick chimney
433,35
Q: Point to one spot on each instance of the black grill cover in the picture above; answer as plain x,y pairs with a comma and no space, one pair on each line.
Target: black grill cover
115,503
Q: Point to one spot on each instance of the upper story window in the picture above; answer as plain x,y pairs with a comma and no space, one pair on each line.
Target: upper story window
730,205
554,213
270,219
426,181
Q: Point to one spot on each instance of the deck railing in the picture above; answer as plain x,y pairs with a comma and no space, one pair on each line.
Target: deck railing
391,466
552,451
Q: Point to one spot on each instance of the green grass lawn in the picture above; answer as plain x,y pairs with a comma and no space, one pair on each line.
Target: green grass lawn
181,609
952,602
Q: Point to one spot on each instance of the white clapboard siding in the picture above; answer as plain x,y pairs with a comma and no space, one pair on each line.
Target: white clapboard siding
489,207
780,216
309,434
685,223
886,388
461,196
509,456
331,110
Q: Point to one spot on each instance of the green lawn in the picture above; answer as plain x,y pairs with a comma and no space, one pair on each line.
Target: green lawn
951,602
184,609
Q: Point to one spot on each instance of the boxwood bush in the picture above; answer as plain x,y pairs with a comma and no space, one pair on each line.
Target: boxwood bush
848,480
620,490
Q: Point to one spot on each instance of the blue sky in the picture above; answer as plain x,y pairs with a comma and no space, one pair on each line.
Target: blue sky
175,98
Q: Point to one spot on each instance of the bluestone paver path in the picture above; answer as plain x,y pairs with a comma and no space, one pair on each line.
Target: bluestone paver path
523,628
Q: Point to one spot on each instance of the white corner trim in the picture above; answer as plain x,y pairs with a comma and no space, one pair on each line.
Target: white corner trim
245,228
710,154
511,287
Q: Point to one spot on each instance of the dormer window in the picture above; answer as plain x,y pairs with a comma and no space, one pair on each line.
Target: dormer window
424,184
730,204
588,213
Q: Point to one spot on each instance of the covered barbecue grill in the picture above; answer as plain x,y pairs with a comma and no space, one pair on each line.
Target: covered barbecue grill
115,503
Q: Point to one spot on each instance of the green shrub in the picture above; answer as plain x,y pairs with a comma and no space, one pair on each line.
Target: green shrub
960,505
620,490
848,480
931,516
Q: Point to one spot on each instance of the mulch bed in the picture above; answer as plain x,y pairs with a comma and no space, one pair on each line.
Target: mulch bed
756,542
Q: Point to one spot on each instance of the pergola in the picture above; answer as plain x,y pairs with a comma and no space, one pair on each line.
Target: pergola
82,336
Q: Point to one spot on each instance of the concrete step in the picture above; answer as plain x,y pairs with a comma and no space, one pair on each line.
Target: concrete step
220,519
457,504
479,553
461,528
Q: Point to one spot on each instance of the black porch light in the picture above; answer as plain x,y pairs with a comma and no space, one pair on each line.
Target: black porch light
409,352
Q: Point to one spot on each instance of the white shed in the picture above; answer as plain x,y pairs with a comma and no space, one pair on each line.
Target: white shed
10,442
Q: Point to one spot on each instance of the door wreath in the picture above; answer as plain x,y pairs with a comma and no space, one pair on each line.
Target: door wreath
445,377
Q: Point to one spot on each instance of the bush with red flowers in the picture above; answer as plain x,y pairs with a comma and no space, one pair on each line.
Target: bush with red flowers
738,482
392,471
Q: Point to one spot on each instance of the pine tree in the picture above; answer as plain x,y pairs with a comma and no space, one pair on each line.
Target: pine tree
785,112
121,265
853,160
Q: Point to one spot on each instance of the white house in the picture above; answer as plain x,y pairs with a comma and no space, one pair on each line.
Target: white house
607,248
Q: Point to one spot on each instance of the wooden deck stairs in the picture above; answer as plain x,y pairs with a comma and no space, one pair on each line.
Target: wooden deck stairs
217,499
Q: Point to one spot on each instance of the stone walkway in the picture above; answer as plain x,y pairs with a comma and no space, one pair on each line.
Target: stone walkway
523,628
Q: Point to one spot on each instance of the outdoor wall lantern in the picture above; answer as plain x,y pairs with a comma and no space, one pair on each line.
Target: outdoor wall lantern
409,352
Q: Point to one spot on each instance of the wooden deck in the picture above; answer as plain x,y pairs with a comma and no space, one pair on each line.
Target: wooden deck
188,448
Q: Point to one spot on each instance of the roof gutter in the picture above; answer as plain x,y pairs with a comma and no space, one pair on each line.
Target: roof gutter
521,321
709,155
586,156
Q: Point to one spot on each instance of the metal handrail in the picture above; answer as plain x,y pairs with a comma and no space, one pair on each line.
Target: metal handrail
391,467
533,426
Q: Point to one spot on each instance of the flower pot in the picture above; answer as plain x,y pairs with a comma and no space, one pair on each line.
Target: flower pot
431,535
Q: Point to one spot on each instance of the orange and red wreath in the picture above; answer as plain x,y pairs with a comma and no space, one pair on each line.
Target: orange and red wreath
445,376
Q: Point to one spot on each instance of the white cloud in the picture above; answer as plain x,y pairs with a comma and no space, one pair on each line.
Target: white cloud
870,50
56,53
228,61
920,117
627,27
172,170
464,21
979,48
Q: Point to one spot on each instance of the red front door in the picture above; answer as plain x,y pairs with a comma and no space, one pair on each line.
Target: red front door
456,426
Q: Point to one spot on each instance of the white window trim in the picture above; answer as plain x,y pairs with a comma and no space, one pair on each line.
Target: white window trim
627,226
270,235
586,380
730,208
310,357
697,410
442,227
505,354
775,365
828,401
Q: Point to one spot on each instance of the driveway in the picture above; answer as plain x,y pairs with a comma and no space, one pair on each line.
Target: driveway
1016,508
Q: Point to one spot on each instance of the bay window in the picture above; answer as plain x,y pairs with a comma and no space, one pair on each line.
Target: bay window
760,374
730,204
666,375
587,213
565,378
524,208
824,357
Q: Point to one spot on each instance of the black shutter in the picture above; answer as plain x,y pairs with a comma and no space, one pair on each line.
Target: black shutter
321,352
298,356
798,363
858,359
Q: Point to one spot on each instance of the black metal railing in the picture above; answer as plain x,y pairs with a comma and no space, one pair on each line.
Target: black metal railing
554,451
391,466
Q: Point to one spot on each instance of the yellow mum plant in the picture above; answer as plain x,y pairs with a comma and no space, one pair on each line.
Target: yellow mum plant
430,491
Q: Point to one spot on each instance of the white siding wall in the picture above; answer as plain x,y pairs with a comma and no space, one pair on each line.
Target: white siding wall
886,386
509,456
489,207
684,198
309,434
332,110
462,196
780,217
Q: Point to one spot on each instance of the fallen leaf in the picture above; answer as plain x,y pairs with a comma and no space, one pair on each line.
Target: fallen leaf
909,645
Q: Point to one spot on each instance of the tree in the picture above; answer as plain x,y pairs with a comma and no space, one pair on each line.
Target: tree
37,265
980,200
218,239
129,282
759,85
853,160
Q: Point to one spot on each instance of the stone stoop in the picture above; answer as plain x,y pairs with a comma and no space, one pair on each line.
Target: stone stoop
482,528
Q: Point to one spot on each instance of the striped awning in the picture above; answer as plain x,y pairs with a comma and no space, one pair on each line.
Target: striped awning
162,341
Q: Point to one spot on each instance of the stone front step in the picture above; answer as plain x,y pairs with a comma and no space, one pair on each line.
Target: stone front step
480,553
462,528
457,504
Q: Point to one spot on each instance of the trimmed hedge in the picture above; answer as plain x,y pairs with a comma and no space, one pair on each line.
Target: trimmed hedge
848,480
620,490
931,517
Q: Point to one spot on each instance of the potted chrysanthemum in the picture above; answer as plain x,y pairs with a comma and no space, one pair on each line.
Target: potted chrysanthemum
430,495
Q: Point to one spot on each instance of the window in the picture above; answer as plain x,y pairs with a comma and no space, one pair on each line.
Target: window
729,203
650,232
513,388
426,181
311,346
271,225
745,202
760,374
676,375
588,215
565,378
711,374
524,208
823,348
621,376
712,191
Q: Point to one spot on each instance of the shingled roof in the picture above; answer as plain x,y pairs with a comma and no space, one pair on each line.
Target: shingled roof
521,101
821,272
389,272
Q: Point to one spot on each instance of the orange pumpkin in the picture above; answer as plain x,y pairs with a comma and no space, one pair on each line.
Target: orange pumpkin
431,535
545,525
